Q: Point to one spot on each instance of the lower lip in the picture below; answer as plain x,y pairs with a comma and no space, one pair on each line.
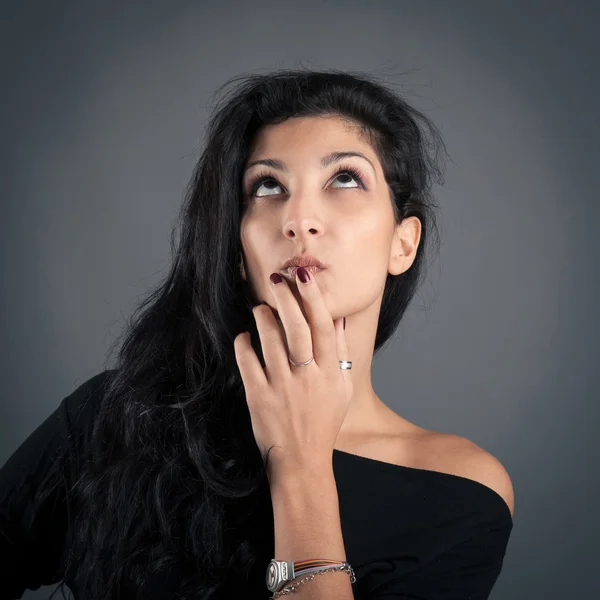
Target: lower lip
290,272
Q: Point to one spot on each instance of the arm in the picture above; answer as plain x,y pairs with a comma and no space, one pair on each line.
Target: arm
470,567
33,485
307,525
468,570
31,510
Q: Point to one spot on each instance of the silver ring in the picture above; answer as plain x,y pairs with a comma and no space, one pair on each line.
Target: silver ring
301,364
345,365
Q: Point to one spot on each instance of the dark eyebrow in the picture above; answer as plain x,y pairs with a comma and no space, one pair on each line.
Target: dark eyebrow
326,160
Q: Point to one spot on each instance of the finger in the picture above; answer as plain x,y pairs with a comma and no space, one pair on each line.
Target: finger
251,371
340,340
272,343
320,321
343,353
295,326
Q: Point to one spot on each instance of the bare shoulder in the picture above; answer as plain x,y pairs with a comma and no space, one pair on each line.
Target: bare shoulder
458,455
398,441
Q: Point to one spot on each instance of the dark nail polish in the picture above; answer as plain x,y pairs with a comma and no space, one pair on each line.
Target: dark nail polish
303,275
275,278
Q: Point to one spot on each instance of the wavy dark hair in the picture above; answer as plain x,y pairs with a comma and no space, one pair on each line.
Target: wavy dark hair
176,485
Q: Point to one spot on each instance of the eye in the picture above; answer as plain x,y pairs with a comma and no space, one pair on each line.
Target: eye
259,182
351,173
346,172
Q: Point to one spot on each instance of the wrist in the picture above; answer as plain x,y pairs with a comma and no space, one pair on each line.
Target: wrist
293,477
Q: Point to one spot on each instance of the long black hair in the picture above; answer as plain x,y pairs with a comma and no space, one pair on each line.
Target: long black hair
176,482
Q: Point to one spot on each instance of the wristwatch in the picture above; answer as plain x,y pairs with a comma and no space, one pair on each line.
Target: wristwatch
279,572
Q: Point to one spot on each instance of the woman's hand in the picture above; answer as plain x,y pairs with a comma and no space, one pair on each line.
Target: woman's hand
300,410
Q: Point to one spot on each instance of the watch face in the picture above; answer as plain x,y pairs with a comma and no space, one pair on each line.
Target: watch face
271,572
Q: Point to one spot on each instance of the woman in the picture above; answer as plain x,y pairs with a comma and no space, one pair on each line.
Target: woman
211,459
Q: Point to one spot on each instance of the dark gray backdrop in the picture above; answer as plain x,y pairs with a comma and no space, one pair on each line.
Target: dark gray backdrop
103,109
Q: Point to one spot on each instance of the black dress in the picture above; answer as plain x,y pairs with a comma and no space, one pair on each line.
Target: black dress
409,534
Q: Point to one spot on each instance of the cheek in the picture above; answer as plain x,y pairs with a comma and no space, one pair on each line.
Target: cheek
366,254
369,236
253,243
259,260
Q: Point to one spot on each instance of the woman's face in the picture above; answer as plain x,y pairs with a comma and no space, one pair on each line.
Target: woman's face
344,220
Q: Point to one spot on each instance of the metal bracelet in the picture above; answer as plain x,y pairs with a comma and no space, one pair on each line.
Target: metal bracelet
292,587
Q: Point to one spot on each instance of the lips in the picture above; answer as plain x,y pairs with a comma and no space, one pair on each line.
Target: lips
310,263
290,272
302,260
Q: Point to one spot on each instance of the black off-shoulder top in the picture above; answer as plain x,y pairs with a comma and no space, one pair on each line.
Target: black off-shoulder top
409,533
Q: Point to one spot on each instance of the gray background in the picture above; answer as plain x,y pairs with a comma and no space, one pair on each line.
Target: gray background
103,109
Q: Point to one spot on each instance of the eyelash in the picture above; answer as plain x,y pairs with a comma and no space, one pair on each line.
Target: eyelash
260,178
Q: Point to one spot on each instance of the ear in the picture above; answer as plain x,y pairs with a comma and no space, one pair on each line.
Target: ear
404,245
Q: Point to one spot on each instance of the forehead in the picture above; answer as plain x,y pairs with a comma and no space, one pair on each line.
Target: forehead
308,135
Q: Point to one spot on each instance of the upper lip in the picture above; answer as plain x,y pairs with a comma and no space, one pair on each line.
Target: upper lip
303,260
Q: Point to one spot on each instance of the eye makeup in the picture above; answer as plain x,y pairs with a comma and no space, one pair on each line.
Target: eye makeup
266,175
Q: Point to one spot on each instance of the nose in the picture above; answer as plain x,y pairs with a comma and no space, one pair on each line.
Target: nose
302,219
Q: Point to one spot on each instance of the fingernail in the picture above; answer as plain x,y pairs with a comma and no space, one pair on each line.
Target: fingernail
344,323
275,278
303,275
